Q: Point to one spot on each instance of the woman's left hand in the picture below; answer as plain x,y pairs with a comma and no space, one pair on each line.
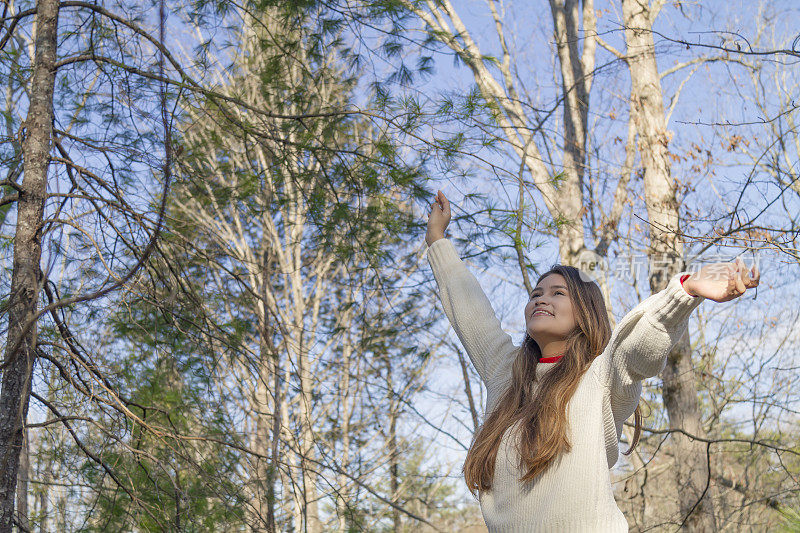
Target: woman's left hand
722,282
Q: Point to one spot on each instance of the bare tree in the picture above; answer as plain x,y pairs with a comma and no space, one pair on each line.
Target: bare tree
667,256
26,282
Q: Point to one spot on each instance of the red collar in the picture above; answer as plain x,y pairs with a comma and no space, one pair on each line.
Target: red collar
552,359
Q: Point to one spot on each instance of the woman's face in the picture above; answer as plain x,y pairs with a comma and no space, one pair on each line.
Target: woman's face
549,315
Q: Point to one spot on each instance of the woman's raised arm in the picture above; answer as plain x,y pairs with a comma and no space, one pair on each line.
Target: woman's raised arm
489,347
642,340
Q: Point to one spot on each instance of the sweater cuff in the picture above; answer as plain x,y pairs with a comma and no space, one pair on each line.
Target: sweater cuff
684,277
442,253
677,304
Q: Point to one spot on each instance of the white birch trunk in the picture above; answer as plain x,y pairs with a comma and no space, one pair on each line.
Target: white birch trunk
666,253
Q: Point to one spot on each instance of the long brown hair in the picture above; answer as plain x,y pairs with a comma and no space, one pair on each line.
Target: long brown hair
541,413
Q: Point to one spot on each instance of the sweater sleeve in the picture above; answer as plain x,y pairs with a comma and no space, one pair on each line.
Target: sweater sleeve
469,311
640,344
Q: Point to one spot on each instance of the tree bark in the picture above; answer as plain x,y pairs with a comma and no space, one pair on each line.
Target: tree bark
26,276
275,443
23,475
260,441
45,474
666,259
576,81
344,497
394,471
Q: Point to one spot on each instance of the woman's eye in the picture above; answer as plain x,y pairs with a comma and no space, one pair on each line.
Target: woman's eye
557,292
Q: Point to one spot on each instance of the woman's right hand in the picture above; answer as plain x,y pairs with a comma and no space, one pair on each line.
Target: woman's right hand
438,219
723,282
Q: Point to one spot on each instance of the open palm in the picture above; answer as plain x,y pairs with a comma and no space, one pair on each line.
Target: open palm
722,282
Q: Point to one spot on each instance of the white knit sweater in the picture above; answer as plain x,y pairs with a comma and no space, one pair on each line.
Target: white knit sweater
574,494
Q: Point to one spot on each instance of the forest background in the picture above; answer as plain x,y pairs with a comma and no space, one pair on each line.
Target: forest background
216,310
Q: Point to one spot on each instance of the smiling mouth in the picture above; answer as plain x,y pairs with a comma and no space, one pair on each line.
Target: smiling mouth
541,313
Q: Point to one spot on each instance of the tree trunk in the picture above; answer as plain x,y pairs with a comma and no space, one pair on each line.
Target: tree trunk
266,437
666,257
394,472
43,508
44,493
344,496
23,475
258,520
26,278
275,446
576,81
311,505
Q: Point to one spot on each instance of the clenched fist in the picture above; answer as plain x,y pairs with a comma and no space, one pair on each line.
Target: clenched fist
438,219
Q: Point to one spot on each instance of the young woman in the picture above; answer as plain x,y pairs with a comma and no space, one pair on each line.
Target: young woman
555,405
